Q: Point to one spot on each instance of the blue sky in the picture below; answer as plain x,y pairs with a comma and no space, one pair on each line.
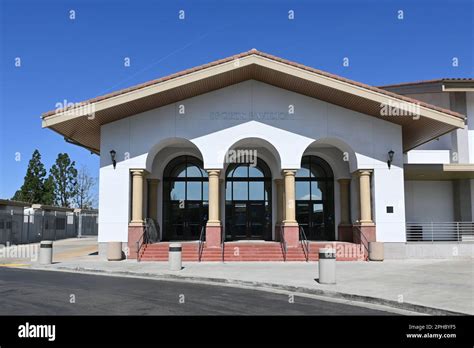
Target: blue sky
83,58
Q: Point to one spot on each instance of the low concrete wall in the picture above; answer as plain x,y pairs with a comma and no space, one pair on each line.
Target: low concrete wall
440,250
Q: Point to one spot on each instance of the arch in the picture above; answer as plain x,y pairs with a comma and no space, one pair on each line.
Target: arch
339,144
214,146
169,142
252,143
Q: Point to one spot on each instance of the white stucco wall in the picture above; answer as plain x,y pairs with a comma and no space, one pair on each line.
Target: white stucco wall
428,201
366,140
470,123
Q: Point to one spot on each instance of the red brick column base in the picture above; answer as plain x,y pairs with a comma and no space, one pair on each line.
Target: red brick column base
344,233
291,234
134,234
213,236
369,232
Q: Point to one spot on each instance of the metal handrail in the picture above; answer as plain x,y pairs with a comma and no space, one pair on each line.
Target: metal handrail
440,231
142,240
283,243
150,234
222,243
304,242
153,230
361,238
201,242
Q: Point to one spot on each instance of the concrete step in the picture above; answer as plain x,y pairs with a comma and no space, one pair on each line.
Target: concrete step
268,251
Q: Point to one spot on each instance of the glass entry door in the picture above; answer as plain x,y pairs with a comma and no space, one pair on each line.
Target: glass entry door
315,198
247,220
185,199
248,202
316,222
183,220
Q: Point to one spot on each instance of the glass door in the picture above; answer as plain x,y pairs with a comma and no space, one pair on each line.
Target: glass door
248,202
239,227
193,220
256,220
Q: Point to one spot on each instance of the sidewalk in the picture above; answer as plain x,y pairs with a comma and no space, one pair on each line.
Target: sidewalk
425,286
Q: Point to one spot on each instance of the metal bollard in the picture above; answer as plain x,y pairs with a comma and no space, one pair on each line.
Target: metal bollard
174,257
46,252
327,266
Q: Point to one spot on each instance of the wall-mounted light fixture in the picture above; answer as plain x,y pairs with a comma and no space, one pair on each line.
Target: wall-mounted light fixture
112,156
390,158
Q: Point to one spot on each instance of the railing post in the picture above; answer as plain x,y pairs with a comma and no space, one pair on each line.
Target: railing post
55,221
79,227
432,232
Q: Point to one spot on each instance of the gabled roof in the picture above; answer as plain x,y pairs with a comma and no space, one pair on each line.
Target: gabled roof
74,124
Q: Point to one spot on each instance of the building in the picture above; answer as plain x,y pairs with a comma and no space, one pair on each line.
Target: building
255,147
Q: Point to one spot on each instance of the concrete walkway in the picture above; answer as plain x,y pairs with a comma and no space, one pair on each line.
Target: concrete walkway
425,286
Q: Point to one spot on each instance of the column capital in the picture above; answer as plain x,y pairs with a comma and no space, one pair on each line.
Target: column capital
289,172
343,181
213,172
364,172
138,171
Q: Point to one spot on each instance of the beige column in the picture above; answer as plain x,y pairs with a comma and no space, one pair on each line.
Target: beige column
279,200
365,203
344,200
153,199
290,216
213,197
138,176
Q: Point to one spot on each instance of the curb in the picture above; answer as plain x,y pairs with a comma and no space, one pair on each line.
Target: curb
269,286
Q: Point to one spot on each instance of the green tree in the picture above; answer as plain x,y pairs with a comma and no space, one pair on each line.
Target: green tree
33,185
49,197
64,175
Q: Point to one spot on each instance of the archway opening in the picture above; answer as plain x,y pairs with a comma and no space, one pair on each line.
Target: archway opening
248,205
314,198
185,198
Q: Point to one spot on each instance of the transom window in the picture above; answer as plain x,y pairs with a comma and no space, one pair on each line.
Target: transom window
313,179
248,183
186,180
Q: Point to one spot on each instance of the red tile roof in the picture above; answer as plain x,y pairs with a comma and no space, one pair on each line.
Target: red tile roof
268,56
